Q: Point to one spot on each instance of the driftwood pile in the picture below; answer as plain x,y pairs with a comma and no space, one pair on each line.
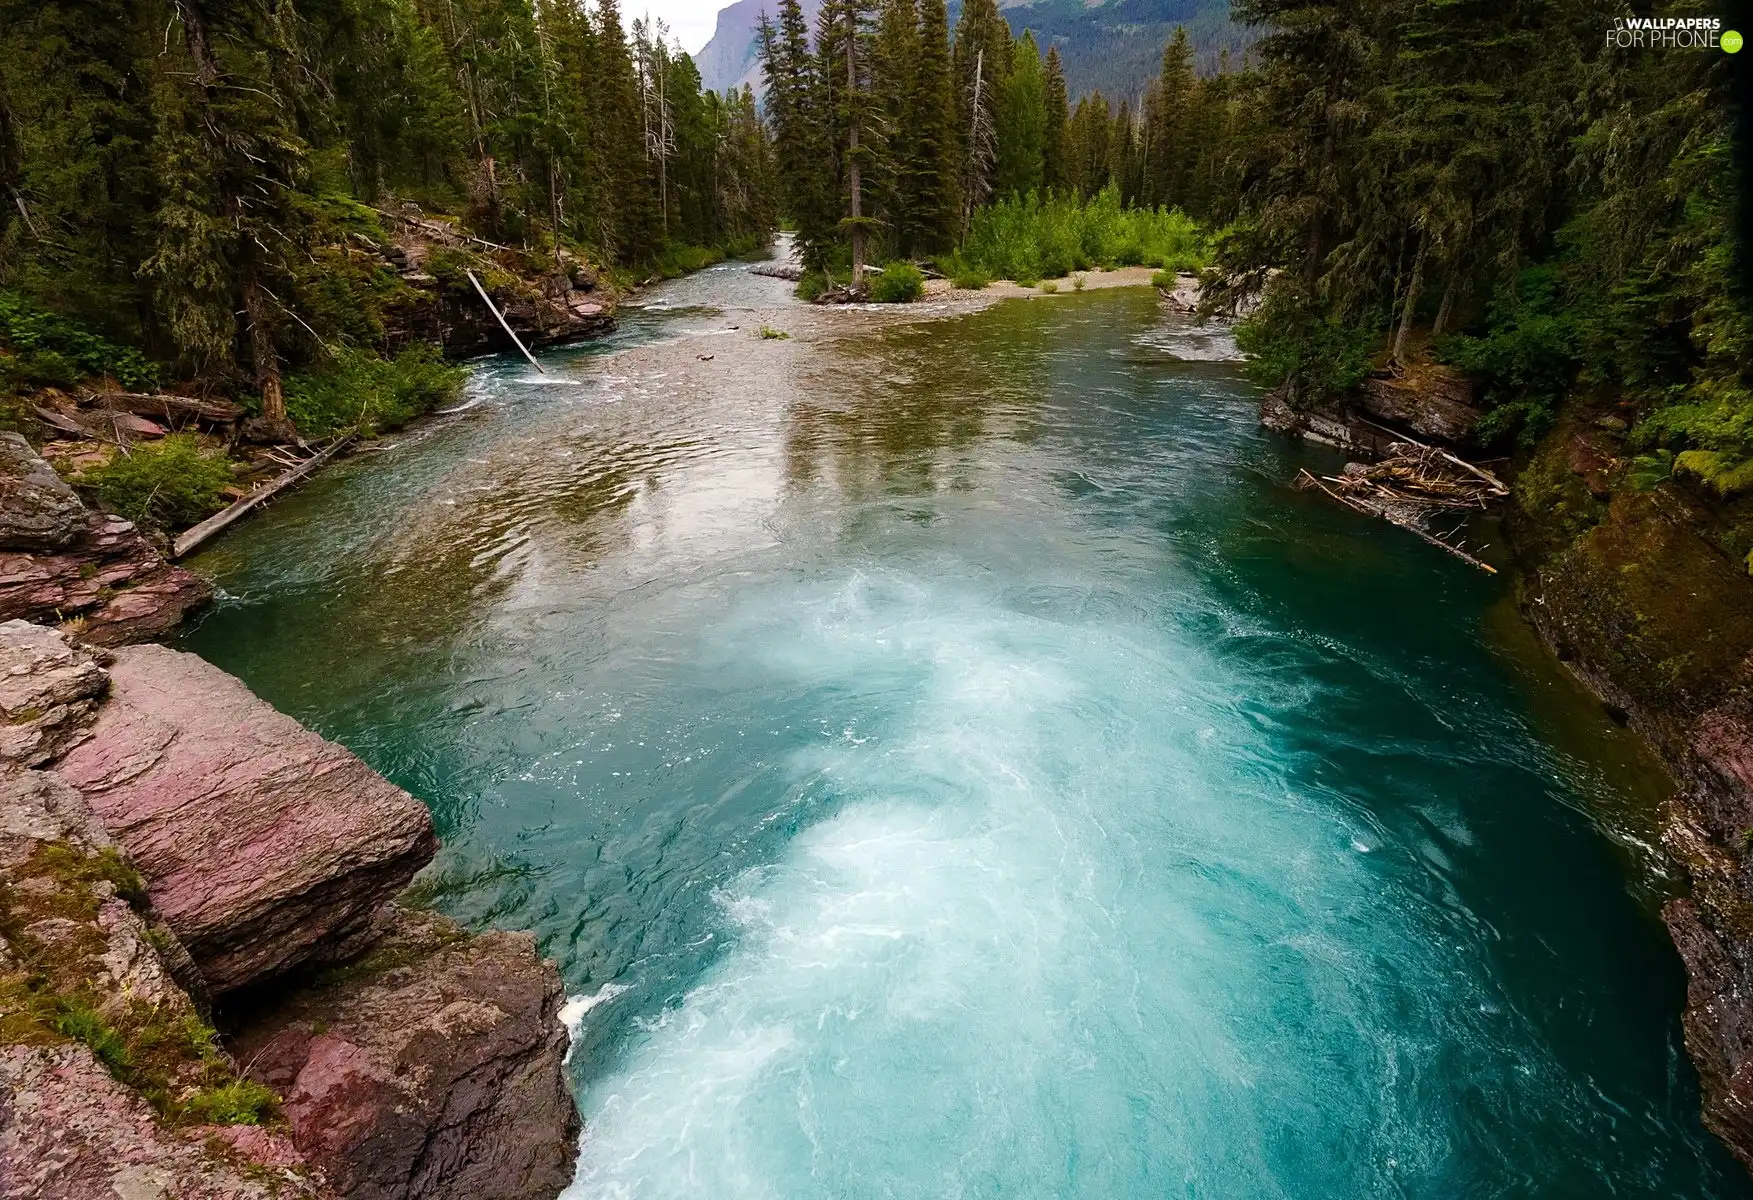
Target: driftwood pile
1412,484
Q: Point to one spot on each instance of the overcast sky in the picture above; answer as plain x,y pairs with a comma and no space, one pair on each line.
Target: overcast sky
691,21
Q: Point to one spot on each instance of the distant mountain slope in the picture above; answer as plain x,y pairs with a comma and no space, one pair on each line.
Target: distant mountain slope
1114,46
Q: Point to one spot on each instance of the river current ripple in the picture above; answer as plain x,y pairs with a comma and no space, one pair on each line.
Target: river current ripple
947,760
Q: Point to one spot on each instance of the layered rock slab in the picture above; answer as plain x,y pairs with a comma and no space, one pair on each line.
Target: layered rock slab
265,847
430,1070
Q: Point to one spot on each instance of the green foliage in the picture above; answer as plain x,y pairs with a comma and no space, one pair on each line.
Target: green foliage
811,285
51,349
966,276
1049,286
79,1020
1034,237
167,483
363,392
899,283
239,1102
1291,341
768,333
681,260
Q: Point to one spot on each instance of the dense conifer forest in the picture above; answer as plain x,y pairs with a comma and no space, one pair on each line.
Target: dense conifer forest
186,182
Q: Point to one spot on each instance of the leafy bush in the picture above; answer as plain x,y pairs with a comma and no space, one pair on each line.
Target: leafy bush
1034,238
966,276
899,283
1291,340
1165,280
771,334
1525,359
1077,282
367,393
680,260
165,483
52,349
811,285
1049,287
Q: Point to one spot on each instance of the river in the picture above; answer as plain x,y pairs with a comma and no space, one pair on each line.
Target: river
947,760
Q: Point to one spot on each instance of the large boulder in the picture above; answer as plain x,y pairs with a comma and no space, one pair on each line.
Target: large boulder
431,1070
69,1131
264,847
49,692
38,511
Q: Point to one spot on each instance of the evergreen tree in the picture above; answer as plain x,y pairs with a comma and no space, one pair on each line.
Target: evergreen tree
1056,167
931,120
1022,121
982,62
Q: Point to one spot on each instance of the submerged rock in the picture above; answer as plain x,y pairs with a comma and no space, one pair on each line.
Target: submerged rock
430,1070
264,846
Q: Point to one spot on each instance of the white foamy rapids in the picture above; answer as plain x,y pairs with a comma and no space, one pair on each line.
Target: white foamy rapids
1068,934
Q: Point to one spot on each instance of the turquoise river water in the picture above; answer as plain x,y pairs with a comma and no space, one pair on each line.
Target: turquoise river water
947,760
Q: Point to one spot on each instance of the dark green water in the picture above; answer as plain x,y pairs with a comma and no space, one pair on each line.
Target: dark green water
951,762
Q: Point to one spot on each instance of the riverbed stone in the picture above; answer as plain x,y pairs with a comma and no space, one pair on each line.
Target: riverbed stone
38,510
433,1069
264,847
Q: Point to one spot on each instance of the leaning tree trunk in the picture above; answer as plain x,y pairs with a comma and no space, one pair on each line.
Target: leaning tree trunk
1412,286
273,424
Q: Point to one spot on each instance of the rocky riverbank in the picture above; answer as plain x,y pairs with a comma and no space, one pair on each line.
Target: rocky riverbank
1625,576
206,986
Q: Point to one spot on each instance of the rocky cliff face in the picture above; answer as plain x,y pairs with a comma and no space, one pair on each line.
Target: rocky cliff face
188,842
1630,583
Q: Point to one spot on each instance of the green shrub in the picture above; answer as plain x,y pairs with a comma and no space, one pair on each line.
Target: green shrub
811,285
899,283
166,483
1049,287
1077,282
1032,237
52,349
367,393
680,260
772,334
968,277
1164,279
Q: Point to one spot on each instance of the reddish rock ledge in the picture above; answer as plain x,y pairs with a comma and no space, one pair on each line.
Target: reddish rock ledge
194,842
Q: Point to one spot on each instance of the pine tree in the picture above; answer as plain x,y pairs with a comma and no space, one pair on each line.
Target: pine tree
1056,168
931,118
892,175
982,62
1022,121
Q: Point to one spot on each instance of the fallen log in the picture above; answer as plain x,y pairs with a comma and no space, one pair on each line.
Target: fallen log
195,535
152,404
778,270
